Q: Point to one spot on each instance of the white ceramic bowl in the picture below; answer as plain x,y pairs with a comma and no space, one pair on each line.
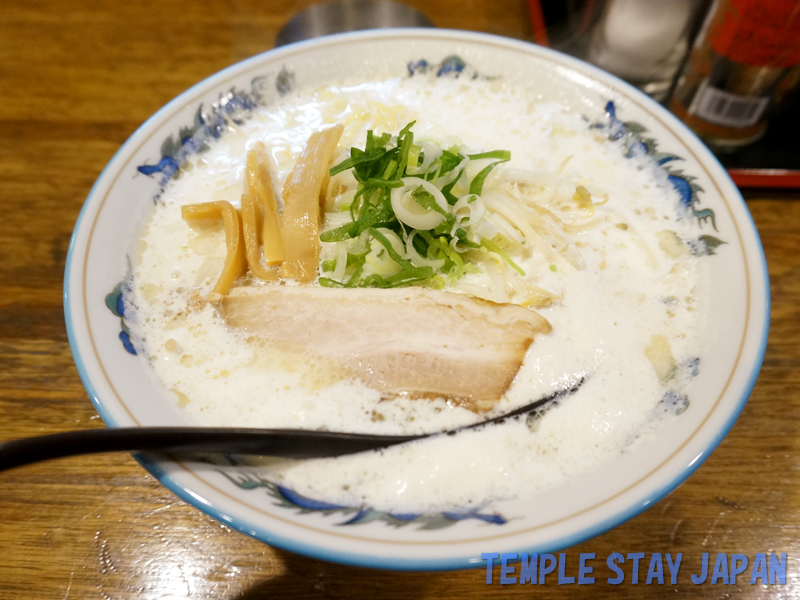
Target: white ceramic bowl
125,393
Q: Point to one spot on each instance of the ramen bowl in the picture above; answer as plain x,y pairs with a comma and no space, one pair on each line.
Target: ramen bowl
126,393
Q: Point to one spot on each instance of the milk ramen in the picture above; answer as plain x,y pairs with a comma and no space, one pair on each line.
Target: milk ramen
545,222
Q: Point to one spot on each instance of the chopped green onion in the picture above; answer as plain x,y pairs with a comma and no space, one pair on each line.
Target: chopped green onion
437,283
405,139
357,160
426,200
338,234
390,183
410,275
503,155
389,248
357,259
462,239
390,169
471,269
447,190
415,156
380,168
356,276
476,187
449,161
489,245
328,282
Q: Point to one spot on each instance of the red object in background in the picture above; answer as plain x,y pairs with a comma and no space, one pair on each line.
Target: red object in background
765,178
758,33
538,23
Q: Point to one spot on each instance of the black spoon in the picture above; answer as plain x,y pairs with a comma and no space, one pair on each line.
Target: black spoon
287,443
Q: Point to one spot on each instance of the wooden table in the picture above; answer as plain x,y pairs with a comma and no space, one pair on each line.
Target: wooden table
76,79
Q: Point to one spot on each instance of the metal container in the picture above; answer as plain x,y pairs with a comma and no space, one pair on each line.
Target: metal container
349,15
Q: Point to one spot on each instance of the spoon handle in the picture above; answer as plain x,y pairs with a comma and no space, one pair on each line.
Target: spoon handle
287,443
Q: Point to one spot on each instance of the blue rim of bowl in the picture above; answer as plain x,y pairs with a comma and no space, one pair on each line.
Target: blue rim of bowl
431,564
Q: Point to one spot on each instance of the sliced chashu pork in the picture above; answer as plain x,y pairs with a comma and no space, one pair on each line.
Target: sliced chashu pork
412,340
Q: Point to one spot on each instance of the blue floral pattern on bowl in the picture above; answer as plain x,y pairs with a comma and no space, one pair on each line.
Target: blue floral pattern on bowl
636,144
287,498
115,301
235,107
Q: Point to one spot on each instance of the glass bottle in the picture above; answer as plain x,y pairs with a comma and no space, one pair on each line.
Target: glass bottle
744,52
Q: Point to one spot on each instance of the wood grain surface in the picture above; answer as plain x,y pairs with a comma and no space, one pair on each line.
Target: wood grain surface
76,79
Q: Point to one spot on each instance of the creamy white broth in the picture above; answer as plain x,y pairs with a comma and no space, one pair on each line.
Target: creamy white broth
632,287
